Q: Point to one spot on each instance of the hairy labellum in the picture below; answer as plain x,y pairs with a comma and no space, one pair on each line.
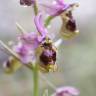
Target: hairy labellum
26,2
71,25
69,14
7,64
48,55
69,28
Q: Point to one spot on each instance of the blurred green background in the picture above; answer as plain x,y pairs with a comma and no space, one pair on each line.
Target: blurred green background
76,57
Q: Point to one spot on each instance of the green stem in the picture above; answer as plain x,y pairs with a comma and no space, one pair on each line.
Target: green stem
35,80
35,7
35,70
48,20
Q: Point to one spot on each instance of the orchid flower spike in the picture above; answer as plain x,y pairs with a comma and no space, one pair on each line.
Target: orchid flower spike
27,2
66,91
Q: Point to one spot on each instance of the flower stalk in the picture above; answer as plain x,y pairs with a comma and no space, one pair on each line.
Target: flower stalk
35,7
48,20
36,71
35,80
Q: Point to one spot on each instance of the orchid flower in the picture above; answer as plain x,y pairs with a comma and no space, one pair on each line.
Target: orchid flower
66,91
48,53
30,43
69,26
31,46
64,10
27,2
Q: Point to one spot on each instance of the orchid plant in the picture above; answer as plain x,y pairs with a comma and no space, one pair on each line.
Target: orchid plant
36,50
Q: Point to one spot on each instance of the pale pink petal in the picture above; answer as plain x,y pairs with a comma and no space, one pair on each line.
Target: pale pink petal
55,9
66,91
40,26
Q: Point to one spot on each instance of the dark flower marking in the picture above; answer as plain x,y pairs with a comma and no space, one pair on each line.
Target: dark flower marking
48,55
8,64
26,2
71,23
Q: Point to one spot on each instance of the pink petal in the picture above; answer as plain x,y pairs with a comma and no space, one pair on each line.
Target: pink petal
55,9
61,2
66,91
40,25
